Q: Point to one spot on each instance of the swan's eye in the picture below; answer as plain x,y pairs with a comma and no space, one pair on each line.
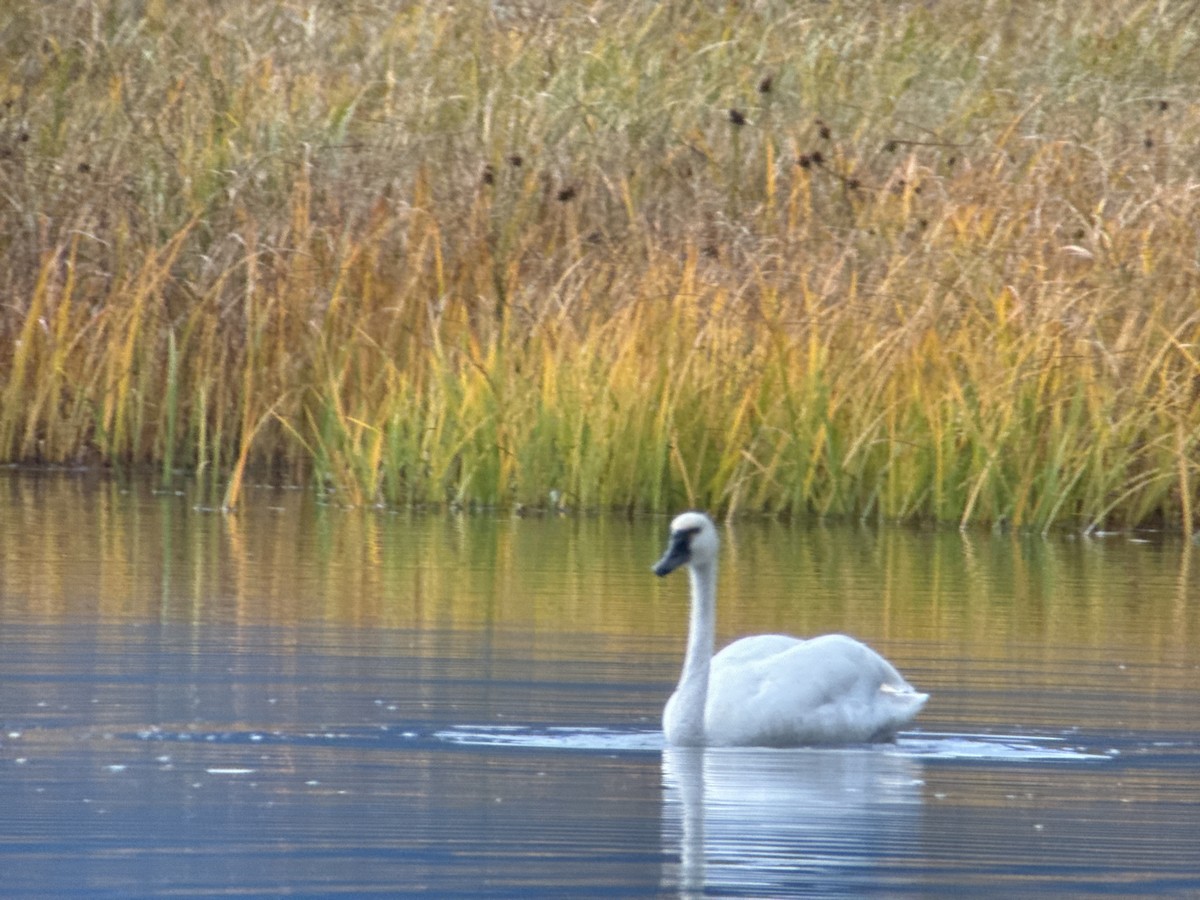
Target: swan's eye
683,537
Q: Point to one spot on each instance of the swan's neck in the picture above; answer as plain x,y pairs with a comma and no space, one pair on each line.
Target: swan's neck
692,693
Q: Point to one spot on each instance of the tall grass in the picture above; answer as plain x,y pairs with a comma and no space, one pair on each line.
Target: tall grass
846,259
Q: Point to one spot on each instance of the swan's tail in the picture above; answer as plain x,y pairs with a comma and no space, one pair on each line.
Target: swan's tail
906,701
902,690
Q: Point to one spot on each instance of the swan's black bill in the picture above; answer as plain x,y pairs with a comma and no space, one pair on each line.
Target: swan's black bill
679,552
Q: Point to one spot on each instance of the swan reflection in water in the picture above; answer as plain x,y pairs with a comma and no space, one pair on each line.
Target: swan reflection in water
764,821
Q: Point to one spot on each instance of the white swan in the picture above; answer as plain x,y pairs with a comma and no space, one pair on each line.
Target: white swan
772,690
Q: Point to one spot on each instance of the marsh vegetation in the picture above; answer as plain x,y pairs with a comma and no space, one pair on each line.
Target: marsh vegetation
883,260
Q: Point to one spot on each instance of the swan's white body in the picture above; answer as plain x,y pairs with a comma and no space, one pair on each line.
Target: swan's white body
773,690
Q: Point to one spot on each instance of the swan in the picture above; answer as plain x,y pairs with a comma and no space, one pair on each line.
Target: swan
772,690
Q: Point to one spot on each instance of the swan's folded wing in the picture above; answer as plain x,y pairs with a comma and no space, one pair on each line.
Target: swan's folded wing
753,650
774,690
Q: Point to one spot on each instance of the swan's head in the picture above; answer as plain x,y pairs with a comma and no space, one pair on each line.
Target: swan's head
693,542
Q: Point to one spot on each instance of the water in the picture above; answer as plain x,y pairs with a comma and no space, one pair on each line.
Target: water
307,700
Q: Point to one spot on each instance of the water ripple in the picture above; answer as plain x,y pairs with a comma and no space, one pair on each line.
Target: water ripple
923,746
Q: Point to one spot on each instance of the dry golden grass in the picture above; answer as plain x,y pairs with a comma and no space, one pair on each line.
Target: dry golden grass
860,259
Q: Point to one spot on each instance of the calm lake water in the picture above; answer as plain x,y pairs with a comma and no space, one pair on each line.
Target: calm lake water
315,701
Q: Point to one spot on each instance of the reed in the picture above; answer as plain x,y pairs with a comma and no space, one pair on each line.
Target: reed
847,260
